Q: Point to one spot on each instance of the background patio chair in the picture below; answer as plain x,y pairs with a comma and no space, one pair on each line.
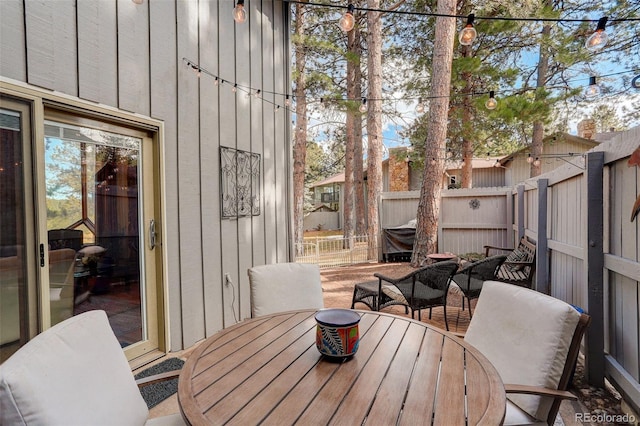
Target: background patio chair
423,288
281,287
471,277
533,341
74,373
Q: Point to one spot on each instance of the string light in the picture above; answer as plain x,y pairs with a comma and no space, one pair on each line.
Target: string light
491,102
599,38
239,13
347,22
529,159
257,94
536,162
420,106
593,90
287,101
234,89
468,34
363,106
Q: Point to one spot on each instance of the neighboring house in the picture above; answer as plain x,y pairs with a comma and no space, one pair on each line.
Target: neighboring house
399,174
183,182
558,149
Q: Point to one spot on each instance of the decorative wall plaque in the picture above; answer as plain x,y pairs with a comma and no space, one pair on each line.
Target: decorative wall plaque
239,183
474,204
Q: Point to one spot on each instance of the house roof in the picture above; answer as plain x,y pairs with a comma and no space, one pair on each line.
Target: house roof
339,178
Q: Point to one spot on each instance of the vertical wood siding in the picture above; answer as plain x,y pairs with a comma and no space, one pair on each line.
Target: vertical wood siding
130,57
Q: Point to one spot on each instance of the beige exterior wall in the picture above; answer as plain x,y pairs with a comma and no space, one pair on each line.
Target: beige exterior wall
130,57
518,170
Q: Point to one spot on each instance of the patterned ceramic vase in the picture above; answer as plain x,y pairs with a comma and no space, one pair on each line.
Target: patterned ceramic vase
337,334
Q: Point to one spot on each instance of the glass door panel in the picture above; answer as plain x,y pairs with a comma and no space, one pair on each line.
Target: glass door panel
14,305
94,199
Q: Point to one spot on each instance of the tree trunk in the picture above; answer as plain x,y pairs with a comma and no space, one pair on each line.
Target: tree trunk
358,160
374,124
467,122
300,133
426,240
351,121
538,125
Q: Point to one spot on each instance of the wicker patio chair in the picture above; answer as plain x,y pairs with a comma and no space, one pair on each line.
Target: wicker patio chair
423,288
471,277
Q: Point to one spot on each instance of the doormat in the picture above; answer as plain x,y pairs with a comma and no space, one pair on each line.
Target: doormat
158,392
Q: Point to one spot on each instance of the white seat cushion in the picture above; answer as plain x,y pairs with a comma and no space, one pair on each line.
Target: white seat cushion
285,287
514,416
526,336
75,373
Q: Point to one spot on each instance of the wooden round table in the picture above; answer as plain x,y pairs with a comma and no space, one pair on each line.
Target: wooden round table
268,370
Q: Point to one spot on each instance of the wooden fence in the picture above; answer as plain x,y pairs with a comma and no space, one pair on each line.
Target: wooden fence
588,249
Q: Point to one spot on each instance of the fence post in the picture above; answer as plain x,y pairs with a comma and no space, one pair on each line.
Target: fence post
595,275
520,219
317,250
542,258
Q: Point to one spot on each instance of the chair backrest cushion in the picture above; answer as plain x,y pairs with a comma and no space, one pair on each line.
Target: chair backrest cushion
284,287
526,335
74,373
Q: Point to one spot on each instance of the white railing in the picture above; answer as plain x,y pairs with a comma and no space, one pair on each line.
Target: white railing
328,252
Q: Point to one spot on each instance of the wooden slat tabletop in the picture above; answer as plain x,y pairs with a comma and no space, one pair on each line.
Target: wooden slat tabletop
268,371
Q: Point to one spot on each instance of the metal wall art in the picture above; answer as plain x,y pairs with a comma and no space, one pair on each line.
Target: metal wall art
240,183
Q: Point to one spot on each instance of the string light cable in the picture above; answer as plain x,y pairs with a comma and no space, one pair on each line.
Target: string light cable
287,98
441,15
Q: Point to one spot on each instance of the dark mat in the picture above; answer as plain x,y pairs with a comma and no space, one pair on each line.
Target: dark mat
158,392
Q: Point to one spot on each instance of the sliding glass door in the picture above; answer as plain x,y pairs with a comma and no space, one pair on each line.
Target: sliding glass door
92,237
18,315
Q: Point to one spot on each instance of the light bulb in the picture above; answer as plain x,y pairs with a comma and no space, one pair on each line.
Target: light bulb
433,161
257,94
347,22
598,39
497,163
491,102
420,106
239,14
216,82
287,101
468,34
536,162
529,159
234,89
593,90
363,105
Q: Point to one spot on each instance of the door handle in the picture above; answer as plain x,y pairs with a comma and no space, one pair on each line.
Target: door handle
152,234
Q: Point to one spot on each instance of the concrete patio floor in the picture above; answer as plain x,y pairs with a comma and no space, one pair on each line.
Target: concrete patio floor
338,286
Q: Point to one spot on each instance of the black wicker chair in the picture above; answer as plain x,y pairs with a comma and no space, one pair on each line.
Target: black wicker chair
471,277
423,288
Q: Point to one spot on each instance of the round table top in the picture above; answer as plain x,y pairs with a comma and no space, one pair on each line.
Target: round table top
441,256
268,370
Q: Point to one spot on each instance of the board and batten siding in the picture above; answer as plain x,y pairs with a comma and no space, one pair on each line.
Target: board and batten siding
129,56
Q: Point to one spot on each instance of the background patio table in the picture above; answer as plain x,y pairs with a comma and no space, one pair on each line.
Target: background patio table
269,370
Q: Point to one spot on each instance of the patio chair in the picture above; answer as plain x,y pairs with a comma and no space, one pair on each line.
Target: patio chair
281,287
423,288
75,373
533,341
470,278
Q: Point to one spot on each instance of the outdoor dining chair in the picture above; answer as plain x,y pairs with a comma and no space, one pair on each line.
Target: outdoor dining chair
533,341
75,373
472,276
423,288
281,287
